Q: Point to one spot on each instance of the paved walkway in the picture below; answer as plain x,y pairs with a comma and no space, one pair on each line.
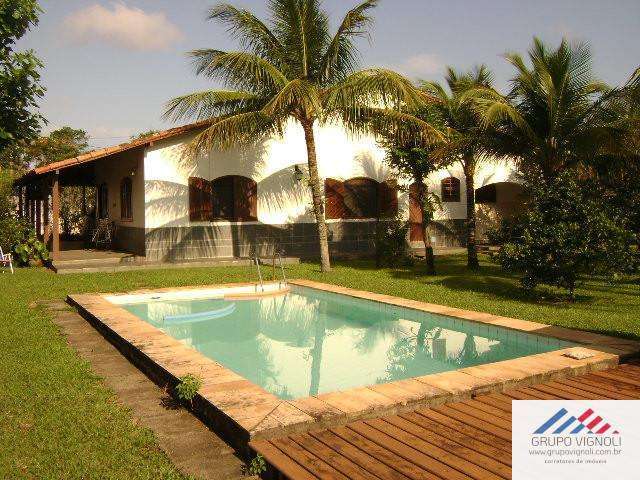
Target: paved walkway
464,440
191,446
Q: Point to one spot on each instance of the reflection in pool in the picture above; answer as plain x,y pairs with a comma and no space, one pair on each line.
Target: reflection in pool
309,341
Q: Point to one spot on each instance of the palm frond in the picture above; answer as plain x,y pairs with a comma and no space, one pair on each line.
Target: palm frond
210,103
375,87
340,57
252,33
298,96
240,70
240,129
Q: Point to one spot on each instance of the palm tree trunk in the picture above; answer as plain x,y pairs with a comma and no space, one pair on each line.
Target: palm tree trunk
316,194
426,237
472,250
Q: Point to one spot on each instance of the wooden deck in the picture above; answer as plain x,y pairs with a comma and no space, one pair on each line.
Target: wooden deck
464,440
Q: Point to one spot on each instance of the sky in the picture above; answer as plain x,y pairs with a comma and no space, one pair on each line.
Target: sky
110,66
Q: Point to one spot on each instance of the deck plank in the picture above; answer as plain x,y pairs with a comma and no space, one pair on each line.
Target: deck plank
361,458
307,460
453,454
477,442
467,439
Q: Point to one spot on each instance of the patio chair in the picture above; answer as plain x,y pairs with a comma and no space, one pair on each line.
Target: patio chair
5,261
103,233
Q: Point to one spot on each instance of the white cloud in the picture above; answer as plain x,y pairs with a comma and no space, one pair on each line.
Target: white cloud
423,64
122,26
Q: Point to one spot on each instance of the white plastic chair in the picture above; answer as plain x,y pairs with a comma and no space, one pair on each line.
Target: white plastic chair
5,260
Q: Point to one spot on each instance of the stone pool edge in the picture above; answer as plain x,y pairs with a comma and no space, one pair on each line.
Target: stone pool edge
243,411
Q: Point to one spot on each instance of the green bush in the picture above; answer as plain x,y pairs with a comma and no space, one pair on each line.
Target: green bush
565,232
16,235
188,387
392,249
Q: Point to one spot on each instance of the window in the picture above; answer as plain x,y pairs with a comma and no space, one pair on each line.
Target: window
360,198
200,207
487,194
126,211
103,201
233,198
450,190
387,199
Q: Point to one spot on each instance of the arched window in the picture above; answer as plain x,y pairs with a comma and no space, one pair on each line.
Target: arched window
450,190
235,199
126,210
103,201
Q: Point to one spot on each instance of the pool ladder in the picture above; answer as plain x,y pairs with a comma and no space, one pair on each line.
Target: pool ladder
278,256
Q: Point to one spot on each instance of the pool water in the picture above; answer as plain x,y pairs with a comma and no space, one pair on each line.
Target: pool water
309,342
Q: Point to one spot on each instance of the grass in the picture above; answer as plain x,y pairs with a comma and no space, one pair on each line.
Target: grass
59,421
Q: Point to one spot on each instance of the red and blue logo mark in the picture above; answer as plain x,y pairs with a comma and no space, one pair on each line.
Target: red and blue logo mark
562,422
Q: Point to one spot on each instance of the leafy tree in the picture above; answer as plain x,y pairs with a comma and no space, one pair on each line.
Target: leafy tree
467,140
60,144
142,135
565,232
19,75
557,114
416,160
291,70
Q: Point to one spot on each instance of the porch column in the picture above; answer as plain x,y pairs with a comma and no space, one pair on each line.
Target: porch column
20,202
55,217
45,215
38,218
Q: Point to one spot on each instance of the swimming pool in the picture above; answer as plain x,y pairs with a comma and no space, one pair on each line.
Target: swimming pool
309,342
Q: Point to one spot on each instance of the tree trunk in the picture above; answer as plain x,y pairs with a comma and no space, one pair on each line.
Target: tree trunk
472,250
426,237
317,196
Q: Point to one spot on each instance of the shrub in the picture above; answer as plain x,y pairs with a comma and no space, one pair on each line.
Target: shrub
257,466
188,387
392,248
565,232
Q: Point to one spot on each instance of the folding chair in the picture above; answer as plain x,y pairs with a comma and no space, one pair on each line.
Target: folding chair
5,260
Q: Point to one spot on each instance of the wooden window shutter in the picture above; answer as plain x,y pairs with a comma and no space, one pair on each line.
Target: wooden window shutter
334,199
245,199
387,199
361,198
200,201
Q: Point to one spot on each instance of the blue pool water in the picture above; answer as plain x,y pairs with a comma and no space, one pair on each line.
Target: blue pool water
309,342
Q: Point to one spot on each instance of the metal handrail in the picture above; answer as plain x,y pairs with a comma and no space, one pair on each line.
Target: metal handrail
257,260
284,277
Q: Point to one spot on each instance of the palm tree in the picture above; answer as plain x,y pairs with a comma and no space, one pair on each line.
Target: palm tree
291,70
467,140
557,115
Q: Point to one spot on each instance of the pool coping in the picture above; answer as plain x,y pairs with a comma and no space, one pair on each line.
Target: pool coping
243,411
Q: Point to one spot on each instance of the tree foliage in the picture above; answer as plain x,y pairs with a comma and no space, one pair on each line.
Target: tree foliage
566,231
557,115
20,88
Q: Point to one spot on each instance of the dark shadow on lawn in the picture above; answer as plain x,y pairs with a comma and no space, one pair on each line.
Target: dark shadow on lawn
507,289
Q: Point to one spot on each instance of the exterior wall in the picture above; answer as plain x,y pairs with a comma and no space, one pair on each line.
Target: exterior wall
129,234
285,218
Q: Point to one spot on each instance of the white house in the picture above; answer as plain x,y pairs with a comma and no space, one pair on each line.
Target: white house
166,206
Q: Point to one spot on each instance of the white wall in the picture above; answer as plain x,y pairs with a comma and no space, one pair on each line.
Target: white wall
280,198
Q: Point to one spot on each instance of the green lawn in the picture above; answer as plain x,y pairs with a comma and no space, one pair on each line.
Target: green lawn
58,421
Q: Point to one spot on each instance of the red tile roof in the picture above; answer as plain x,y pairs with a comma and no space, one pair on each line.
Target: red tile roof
105,152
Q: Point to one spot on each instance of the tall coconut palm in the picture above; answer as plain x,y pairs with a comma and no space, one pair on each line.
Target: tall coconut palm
557,115
467,137
288,70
